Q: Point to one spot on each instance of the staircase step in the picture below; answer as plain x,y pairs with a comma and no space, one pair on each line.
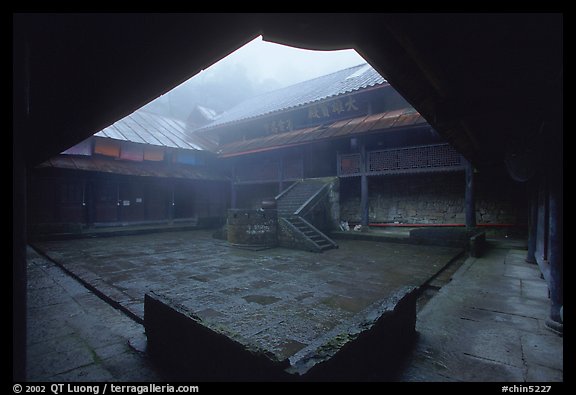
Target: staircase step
295,198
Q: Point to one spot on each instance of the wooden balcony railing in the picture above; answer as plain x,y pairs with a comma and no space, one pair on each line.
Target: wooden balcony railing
405,160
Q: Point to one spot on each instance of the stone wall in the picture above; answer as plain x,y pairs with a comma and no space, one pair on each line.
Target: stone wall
252,227
500,200
434,199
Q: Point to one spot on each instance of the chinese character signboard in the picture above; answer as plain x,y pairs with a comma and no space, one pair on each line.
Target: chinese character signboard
319,113
334,109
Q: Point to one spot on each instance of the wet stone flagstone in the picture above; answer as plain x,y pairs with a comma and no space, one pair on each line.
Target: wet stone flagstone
283,300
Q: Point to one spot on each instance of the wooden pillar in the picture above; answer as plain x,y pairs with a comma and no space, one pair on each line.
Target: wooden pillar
364,210
20,130
555,257
19,270
118,202
542,226
280,175
469,197
89,200
532,220
233,195
171,202
233,188
555,224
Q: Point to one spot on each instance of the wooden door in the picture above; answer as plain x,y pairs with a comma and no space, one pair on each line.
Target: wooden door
132,201
106,201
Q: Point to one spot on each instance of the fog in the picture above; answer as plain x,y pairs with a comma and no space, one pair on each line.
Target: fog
255,68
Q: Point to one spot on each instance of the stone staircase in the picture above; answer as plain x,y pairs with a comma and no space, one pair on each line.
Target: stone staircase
289,201
294,202
317,240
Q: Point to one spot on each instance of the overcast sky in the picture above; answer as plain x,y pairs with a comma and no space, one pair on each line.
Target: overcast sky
255,68
289,65
286,65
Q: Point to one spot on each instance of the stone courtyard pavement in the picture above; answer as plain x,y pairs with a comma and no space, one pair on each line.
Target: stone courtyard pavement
221,279
74,336
283,300
487,324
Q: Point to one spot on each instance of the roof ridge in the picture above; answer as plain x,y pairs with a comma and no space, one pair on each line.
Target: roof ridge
289,97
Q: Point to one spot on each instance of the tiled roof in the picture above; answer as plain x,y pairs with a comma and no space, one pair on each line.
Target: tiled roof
148,128
390,120
306,92
142,169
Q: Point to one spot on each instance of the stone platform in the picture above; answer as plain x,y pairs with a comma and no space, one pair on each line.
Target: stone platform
295,308
365,347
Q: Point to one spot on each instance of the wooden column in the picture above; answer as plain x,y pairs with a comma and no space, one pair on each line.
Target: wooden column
280,175
532,220
19,268
118,203
89,200
469,197
555,223
555,258
233,191
233,196
364,211
20,129
171,202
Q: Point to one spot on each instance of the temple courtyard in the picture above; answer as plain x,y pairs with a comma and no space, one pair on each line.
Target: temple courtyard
479,319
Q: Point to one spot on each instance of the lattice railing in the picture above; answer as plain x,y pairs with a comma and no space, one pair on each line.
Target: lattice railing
426,158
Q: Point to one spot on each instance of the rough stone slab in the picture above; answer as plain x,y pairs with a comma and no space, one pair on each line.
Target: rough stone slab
69,354
481,327
88,373
73,340
366,346
540,350
527,324
542,374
